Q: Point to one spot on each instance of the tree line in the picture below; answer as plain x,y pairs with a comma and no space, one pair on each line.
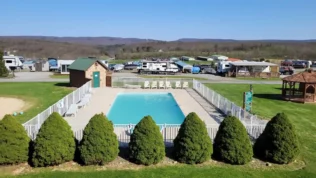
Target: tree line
244,50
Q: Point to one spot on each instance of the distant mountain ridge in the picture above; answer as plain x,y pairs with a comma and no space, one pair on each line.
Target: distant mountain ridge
107,41
232,40
84,40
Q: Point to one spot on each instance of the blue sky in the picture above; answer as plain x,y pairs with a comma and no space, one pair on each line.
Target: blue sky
164,19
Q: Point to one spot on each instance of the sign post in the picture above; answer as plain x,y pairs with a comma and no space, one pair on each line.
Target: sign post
247,100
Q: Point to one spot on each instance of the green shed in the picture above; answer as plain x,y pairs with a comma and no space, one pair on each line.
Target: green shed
83,70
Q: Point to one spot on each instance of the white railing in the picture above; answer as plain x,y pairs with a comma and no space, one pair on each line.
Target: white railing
122,81
253,125
169,132
226,106
32,126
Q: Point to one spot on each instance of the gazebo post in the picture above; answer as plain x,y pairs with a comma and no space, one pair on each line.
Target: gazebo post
293,90
304,93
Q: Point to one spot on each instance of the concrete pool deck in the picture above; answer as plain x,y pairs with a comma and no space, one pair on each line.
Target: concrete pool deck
103,98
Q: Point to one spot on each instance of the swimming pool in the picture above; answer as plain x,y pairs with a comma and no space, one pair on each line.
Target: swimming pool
130,108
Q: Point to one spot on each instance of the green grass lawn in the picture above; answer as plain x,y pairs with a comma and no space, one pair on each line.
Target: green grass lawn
38,96
267,102
59,76
259,79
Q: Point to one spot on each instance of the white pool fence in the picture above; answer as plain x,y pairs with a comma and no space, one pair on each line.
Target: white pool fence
169,132
32,126
253,125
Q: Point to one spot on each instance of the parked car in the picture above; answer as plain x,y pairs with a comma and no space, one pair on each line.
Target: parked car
209,70
284,70
130,66
299,64
118,67
111,66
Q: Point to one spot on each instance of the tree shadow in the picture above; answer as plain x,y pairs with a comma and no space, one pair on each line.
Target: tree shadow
278,88
62,84
269,96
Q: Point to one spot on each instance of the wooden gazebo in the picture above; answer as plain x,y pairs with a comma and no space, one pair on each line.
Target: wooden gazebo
304,92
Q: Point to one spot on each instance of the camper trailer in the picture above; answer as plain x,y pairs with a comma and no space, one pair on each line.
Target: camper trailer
157,67
13,62
223,67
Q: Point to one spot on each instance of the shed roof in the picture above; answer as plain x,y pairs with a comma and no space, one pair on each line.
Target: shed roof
240,63
84,64
183,64
302,77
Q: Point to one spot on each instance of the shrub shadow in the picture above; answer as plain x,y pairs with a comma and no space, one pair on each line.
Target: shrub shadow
30,154
170,152
77,158
124,153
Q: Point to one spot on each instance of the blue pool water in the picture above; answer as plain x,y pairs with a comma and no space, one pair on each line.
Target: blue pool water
130,108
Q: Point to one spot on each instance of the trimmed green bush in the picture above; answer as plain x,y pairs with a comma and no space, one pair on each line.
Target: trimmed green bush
99,144
232,144
14,142
146,145
192,144
54,144
278,143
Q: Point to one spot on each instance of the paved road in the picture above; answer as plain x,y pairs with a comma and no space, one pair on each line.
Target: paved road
45,77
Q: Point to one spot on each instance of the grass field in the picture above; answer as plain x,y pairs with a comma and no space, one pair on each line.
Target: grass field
59,76
267,103
259,79
38,96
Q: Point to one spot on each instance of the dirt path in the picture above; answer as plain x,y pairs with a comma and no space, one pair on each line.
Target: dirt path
10,105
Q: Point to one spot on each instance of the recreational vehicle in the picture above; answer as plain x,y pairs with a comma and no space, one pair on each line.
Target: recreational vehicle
223,67
13,62
156,67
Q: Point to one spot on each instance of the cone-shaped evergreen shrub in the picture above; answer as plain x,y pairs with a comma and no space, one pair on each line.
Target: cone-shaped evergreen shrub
14,142
54,144
232,144
192,144
99,144
278,143
146,145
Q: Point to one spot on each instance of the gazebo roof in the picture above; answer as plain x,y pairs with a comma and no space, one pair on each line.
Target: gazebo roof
302,77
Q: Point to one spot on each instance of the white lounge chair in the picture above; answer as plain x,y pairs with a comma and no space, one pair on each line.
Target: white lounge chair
185,85
87,96
72,111
146,84
83,102
162,84
168,85
154,84
91,91
178,84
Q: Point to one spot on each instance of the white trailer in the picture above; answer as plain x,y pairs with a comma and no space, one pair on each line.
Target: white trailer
157,67
13,62
223,67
